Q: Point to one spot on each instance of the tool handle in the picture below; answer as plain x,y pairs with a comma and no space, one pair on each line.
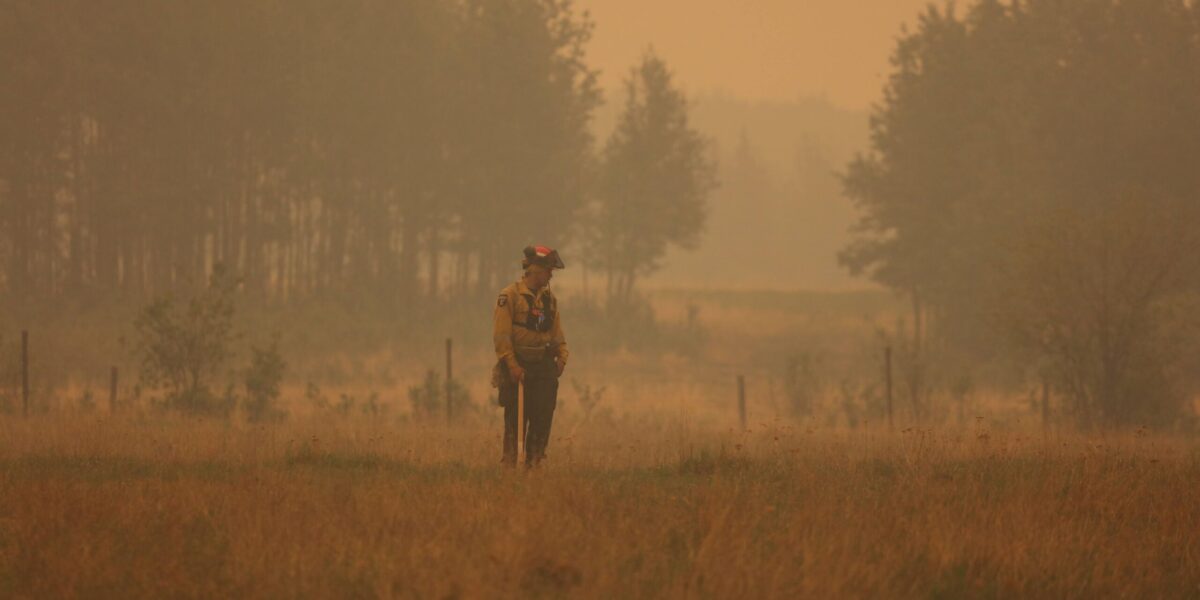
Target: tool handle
521,388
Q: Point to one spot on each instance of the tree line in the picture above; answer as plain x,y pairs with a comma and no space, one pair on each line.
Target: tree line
403,151
1030,186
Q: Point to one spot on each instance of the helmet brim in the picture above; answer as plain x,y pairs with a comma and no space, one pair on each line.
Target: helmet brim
550,260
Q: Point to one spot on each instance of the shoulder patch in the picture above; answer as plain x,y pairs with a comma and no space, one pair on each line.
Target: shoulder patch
502,301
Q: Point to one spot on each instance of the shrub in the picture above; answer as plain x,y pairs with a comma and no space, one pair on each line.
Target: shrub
262,380
429,399
183,348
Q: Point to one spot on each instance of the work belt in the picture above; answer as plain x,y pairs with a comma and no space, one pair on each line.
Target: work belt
534,358
532,353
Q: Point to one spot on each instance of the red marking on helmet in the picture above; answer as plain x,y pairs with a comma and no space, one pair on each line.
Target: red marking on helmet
542,251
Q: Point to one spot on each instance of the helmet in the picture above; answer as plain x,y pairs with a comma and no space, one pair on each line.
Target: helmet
541,255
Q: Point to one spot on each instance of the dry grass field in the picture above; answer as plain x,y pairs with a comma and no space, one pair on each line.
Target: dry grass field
98,506
652,492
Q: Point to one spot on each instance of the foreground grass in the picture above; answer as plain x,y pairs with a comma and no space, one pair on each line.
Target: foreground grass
92,507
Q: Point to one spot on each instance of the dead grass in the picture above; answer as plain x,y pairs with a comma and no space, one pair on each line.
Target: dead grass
354,507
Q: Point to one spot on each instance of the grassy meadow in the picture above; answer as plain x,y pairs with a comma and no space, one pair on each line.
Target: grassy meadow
651,488
110,507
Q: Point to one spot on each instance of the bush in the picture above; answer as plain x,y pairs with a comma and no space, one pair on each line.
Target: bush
183,348
262,380
1107,299
429,399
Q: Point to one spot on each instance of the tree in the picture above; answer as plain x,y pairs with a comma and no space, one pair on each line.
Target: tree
522,146
316,149
183,349
1106,298
1016,127
655,179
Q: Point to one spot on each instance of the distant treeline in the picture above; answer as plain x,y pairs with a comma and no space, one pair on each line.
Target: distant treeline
403,149
1032,172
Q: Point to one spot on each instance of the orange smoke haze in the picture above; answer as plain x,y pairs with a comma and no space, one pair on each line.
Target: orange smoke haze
758,50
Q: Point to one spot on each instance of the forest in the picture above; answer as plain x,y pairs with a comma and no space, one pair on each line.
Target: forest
399,151
1027,186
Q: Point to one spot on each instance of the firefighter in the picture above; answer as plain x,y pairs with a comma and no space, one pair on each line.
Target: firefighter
531,352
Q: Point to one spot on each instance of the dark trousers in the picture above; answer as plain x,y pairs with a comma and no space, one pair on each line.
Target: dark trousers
541,396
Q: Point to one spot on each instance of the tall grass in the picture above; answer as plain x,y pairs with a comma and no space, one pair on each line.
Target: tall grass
359,507
650,492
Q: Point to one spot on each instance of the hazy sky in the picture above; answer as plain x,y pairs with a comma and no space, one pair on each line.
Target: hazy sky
756,49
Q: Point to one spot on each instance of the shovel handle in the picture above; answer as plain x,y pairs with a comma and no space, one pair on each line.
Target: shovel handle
521,388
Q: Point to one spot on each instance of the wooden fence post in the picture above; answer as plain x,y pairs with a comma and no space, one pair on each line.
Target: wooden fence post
887,359
25,372
449,379
741,383
1045,405
112,391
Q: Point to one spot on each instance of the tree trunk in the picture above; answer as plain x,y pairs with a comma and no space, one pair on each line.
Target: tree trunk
435,252
917,375
407,265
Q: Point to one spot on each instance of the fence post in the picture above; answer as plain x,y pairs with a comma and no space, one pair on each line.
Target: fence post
449,378
1045,405
25,372
887,359
112,391
741,382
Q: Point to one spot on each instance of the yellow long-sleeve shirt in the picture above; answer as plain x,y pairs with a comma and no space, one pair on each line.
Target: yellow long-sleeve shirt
526,322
